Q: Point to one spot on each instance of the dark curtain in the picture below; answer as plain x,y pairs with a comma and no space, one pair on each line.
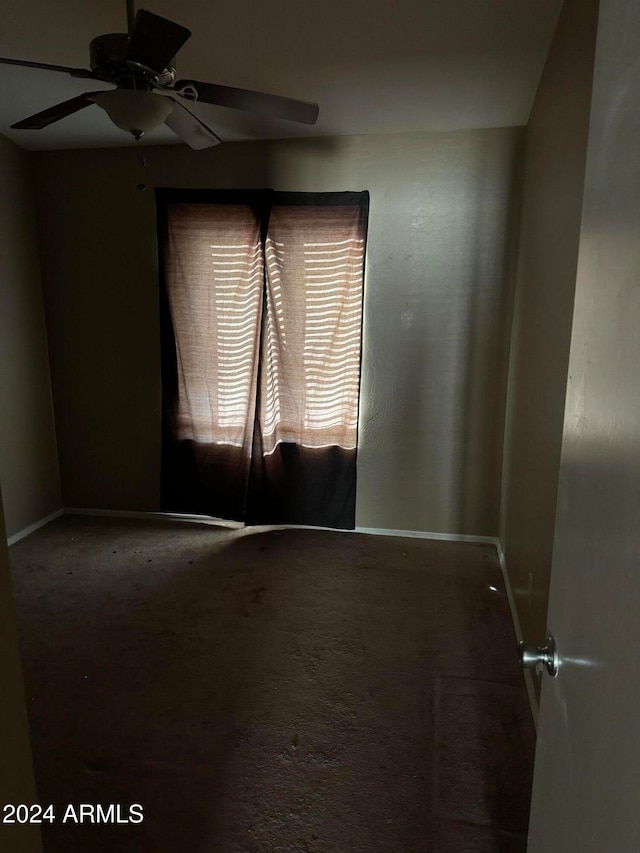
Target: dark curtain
261,317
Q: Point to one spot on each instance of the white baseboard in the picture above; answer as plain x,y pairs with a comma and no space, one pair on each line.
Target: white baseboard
207,519
33,527
528,677
421,534
153,516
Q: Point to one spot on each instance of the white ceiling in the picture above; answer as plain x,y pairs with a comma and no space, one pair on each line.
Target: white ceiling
374,66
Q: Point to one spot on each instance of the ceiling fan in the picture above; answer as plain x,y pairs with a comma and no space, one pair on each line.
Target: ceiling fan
140,64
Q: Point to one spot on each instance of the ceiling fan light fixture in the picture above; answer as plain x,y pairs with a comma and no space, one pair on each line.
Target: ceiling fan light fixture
140,64
135,111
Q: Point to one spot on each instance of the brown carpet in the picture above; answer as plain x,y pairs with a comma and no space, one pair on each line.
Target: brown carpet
296,691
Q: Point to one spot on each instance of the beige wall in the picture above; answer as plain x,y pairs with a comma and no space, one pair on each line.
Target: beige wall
16,771
555,158
436,313
28,459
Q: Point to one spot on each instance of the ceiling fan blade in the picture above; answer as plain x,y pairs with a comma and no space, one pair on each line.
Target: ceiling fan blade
255,102
65,69
190,128
62,110
155,41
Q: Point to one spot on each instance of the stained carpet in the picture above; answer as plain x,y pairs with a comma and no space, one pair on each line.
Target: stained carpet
297,691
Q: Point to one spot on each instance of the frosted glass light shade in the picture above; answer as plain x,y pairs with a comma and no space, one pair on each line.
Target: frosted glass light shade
134,111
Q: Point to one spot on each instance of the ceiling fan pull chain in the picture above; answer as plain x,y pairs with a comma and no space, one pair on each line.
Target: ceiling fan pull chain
143,162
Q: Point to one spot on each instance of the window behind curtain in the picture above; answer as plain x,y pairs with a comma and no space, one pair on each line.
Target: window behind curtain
261,318
311,348
216,269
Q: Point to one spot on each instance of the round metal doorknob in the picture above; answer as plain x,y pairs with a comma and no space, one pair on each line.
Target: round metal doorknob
534,657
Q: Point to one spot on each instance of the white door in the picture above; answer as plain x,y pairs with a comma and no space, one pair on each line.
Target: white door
586,796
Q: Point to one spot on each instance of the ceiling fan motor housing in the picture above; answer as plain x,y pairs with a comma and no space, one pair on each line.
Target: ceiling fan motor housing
108,60
108,52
